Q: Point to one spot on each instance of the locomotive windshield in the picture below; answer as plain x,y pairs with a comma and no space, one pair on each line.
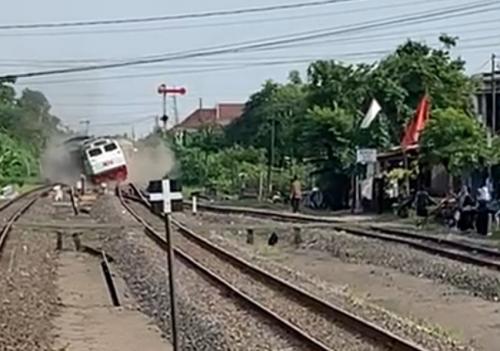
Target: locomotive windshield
95,152
110,147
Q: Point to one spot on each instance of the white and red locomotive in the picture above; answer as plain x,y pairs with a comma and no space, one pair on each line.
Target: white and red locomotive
101,159
104,160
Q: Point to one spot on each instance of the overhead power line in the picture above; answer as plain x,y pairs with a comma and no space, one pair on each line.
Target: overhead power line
95,61
125,122
375,54
250,10
363,38
446,13
135,30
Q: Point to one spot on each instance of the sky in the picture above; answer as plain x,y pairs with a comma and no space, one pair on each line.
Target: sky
125,99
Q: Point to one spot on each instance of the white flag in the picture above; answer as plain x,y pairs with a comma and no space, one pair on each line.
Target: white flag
371,114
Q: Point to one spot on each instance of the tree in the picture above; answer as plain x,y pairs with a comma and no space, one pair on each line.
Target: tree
402,78
457,141
332,84
16,161
25,127
329,135
279,106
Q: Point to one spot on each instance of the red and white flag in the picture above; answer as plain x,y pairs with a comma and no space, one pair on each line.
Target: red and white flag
417,124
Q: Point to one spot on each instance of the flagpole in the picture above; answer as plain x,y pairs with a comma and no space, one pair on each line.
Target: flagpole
371,114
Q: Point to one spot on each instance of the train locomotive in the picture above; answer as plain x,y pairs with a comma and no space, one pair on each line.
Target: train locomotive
100,159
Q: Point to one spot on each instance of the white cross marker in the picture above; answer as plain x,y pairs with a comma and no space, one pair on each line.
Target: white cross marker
166,196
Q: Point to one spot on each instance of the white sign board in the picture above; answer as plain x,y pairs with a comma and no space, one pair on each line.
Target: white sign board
168,195
365,156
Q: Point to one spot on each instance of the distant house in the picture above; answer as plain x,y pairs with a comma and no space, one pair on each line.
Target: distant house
483,98
219,116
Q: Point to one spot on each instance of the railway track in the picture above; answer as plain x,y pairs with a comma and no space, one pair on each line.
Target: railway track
314,321
438,245
20,205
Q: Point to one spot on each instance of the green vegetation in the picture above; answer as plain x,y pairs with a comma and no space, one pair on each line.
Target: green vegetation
457,141
315,122
25,127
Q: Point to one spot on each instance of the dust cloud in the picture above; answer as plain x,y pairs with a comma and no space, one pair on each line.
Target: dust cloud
149,161
57,164
145,161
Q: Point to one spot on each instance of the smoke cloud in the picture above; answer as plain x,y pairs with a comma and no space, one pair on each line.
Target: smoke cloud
145,161
57,165
149,161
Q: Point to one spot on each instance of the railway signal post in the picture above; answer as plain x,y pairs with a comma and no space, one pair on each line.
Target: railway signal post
166,196
164,91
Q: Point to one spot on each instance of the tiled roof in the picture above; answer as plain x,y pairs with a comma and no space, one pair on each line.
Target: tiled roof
227,113
222,114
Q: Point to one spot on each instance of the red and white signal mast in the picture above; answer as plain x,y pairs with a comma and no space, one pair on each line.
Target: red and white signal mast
164,91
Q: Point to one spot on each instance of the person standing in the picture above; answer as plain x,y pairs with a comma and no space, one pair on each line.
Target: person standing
467,210
295,194
483,212
422,201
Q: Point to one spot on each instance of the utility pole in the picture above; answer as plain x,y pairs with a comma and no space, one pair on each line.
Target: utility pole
176,110
87,126
493,95
492,134
271,157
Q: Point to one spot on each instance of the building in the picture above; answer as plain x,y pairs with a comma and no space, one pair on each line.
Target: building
483,99
220,116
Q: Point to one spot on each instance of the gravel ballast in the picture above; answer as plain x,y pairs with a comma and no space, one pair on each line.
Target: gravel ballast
418,333
428,336
28,296
209,318
470,279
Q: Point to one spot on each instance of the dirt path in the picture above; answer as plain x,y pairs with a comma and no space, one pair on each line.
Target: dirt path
465,317
88,321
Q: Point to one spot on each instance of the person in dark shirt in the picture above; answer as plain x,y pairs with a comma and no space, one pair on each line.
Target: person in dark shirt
483,211
295,194
467,210
421,201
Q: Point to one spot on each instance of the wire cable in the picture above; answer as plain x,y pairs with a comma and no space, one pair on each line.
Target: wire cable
474,8
251,10
212,25
365,38
375,54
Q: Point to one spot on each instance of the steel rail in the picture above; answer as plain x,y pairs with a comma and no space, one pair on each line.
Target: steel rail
23,195
186,258
351,321
459,251
6,229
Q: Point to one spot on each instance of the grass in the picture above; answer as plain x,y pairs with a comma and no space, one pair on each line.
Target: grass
26,187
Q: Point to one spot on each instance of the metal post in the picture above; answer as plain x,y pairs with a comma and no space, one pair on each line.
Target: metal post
357,207
171,278
77,241
176,110
261,185
493,110
59,243
164,110
250,240
493,95
195,205
82,179
271,157
297,238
